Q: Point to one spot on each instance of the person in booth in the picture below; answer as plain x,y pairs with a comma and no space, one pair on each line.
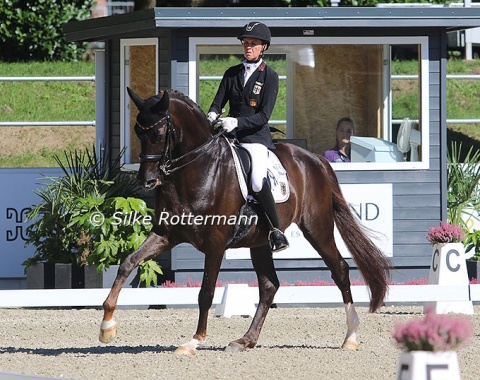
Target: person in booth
341,151
251,90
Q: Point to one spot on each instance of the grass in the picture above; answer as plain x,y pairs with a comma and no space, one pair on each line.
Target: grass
47,101
75,101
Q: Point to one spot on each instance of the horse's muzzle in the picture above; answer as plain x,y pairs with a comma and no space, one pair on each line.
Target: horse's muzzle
148,181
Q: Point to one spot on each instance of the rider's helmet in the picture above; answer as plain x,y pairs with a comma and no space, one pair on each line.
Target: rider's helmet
255,29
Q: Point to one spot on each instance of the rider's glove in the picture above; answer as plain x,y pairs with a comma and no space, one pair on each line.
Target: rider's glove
229,123
212,116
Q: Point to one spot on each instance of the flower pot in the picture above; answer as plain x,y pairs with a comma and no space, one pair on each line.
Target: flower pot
49,276
473,270
448,267
423,365
72,276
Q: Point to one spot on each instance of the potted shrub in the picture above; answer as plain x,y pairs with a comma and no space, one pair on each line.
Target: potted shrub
472,243
445,233
463,199
431,342
448,266
85,217
463,177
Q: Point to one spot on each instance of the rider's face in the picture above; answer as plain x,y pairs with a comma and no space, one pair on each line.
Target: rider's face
252,48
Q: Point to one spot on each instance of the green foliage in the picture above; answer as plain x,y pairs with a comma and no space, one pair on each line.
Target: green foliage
89,216
463,191
472,241
32,29
52,100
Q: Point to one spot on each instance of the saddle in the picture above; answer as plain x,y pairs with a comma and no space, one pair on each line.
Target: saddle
276,174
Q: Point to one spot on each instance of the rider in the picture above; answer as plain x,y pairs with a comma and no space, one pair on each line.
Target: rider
251,89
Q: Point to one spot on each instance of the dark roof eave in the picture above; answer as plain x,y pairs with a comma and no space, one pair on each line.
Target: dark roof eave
135,22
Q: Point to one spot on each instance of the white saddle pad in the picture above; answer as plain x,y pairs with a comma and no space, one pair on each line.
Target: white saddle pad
276,173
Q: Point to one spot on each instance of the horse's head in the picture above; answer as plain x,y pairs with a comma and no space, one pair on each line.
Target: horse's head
153,128
168,125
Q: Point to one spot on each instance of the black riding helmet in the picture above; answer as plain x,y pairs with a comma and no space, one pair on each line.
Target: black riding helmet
255,29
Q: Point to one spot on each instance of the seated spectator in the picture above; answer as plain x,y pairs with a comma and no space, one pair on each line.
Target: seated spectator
341,151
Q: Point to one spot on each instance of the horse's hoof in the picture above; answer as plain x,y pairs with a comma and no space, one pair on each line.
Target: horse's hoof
234,347
184,351
349,345
108,331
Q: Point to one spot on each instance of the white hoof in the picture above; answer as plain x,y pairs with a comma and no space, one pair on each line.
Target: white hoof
108,331
350,345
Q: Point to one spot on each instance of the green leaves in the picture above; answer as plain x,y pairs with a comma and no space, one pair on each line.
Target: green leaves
89,215
33,30
149,271
463,176
472,241
463,193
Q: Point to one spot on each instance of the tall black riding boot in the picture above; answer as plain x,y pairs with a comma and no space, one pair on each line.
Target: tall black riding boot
277,239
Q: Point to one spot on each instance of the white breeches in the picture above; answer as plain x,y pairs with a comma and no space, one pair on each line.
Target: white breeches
259,153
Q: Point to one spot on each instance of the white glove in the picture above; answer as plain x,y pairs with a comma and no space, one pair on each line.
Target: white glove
229,123
212,116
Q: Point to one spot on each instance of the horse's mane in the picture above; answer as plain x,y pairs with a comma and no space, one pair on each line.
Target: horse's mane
189,103
175,94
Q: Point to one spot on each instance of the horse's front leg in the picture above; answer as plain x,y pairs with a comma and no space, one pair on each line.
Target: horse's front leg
213,260
268,285
151,247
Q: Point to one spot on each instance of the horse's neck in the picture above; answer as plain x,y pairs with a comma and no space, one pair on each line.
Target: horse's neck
191,133
209,173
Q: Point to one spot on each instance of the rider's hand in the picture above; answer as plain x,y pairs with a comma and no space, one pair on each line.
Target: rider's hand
212,116
229,123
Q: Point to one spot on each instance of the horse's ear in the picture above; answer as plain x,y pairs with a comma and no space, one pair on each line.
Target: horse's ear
135,98
162,105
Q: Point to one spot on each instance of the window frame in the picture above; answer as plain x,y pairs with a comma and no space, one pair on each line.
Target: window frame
125,137
421,41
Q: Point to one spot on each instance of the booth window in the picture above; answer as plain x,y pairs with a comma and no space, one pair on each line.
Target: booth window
379,82
138,70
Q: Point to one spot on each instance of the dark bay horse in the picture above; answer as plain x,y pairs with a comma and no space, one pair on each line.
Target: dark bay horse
191,169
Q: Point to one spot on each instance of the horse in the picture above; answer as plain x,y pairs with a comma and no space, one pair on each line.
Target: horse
190,167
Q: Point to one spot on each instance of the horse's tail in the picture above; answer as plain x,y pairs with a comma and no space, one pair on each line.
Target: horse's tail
372,263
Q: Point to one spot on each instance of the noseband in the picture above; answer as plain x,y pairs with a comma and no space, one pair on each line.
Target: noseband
165,160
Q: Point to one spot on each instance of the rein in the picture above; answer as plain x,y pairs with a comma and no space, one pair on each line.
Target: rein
165,163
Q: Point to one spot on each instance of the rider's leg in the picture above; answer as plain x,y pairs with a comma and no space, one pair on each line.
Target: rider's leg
263,194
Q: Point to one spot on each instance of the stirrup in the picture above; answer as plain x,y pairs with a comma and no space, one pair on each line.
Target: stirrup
278,241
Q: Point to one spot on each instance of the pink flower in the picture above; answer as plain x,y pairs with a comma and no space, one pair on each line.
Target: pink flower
445,233
433,333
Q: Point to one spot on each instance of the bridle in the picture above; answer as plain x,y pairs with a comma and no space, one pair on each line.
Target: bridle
166,163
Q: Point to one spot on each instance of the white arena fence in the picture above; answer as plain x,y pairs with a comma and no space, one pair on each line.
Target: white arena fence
243,297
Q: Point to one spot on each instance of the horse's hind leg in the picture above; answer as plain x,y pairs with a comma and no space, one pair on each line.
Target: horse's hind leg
268,285
151,247
324,242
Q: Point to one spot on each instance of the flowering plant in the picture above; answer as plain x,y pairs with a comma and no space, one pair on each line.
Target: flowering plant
445,233
433,333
